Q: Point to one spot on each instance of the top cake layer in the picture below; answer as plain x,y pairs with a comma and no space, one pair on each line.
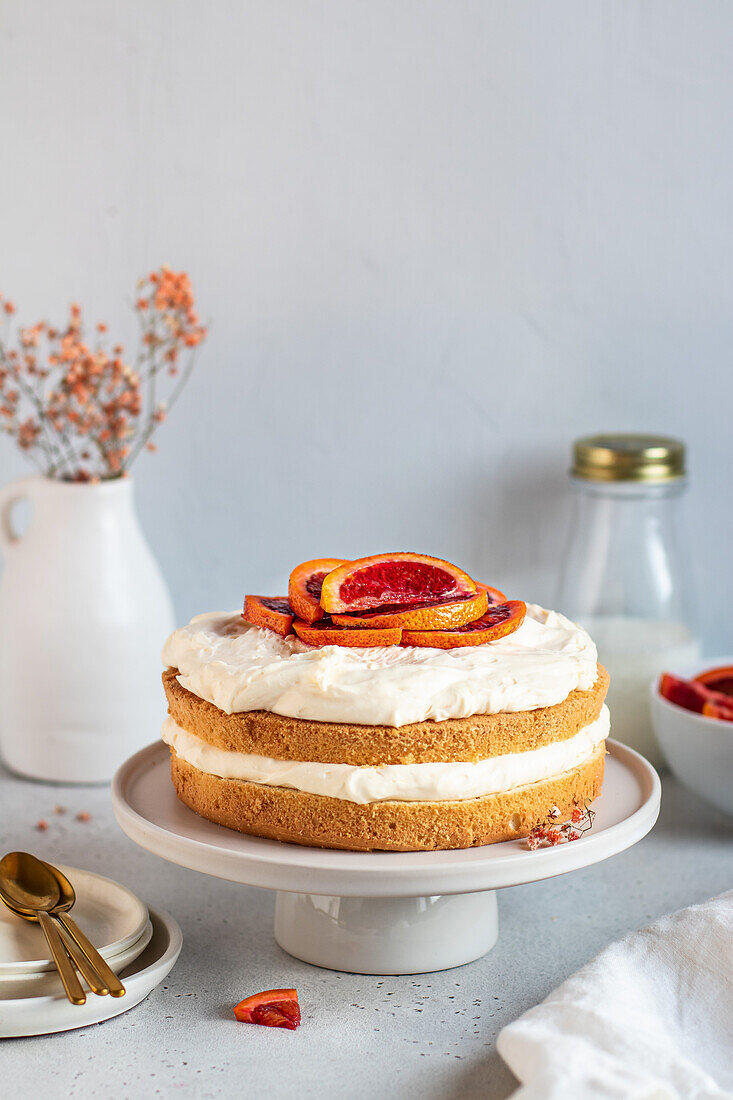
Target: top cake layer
240,668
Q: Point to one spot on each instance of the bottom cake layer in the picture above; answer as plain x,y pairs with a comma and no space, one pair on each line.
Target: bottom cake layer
318,821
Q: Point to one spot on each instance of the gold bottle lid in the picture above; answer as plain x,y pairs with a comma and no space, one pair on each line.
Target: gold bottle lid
627,457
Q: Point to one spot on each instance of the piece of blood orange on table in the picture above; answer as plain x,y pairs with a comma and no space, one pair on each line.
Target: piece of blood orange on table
272,612
304,587
328,633
717,679
272,1008
427,616
387,579
500,620
494,595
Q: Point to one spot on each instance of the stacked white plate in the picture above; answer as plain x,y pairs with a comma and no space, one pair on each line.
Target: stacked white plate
139,944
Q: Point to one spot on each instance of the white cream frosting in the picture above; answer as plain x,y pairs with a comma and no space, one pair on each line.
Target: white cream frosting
239,668
400,782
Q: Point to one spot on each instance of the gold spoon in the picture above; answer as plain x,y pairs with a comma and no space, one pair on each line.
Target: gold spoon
32,896
46,877
67,897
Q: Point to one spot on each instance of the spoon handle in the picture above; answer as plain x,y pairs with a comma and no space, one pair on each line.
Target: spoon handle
71,983
105,972
83,964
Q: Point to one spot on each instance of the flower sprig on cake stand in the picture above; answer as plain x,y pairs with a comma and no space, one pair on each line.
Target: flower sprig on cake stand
76,405
553,831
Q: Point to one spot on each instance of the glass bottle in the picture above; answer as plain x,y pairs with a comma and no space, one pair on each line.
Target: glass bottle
625,574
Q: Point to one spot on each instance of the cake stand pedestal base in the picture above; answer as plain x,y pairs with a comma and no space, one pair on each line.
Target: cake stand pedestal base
387,935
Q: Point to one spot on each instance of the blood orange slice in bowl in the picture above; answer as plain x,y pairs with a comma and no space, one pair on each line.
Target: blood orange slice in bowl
388,579
717,710
499,621
696,694
328,633
272,612
717,679
685,693
428,616
304,588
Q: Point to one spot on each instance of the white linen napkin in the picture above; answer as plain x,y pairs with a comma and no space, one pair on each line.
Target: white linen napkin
651,1018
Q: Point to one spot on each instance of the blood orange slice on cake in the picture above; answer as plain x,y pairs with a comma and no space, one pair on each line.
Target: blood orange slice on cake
431,616
494,595
273,612
304,588
499,620
328,633
389,579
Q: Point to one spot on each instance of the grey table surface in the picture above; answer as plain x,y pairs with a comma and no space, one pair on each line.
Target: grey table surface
428,1035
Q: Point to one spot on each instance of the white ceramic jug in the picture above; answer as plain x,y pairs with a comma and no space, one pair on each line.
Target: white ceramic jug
84,612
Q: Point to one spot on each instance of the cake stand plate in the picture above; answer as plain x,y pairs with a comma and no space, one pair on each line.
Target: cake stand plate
378,912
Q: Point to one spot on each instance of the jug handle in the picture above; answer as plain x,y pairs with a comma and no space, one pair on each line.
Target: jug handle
10,495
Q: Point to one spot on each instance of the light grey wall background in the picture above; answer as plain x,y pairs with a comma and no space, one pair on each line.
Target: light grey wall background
437,238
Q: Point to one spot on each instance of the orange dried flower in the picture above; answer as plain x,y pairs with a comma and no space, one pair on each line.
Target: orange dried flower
28,433
92,398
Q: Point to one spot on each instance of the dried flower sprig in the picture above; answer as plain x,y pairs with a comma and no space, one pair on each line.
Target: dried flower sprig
76,406
554,832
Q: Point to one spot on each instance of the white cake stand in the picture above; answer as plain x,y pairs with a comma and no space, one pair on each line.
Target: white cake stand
378,912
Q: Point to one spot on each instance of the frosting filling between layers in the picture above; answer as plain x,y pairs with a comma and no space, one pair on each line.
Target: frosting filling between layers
444,782
241,668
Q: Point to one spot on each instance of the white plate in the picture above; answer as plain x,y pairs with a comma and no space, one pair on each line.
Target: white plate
41,1015
108,913
47,981
147,808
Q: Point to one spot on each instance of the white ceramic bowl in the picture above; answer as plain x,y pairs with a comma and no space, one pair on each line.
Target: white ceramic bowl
699,750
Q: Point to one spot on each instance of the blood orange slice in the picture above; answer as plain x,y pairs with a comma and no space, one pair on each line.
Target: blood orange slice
685,693
717,679
426,616
273,1008
494,595
697,695
388,579
304,589
328,633
499,620
273,612
715,710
